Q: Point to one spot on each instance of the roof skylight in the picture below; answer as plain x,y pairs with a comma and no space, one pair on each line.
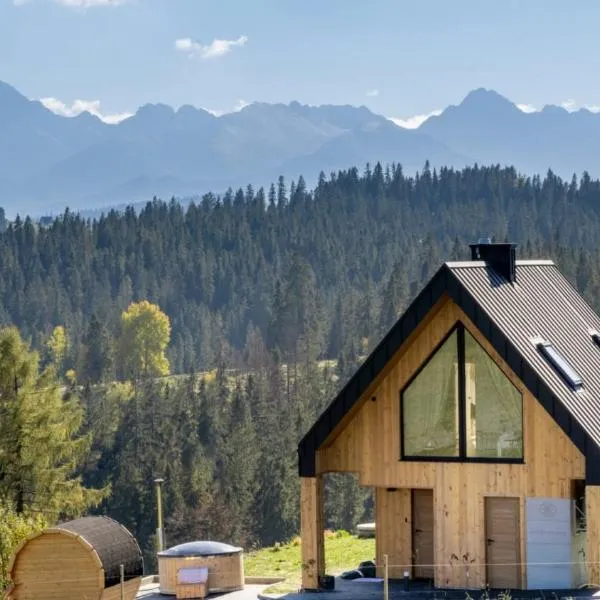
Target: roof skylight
595,336
560,364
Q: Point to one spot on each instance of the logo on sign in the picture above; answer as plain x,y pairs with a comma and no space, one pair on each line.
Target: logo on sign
547,509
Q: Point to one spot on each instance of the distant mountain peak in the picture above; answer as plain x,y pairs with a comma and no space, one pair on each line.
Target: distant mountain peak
482,98
552,109
155,110
188,108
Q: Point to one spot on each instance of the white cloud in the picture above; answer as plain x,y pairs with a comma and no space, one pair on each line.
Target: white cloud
239,105
572,106
527,108
215,49
416,121
20,2
79,106
569,105
373,93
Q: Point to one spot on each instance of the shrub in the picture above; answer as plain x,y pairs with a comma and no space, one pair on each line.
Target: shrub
14,529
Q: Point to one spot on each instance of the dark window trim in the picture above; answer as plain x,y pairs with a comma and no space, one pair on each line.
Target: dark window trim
462,392
462,457
415,375
507,460
465,459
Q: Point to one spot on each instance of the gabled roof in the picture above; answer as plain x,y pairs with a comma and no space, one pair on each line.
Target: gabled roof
541,303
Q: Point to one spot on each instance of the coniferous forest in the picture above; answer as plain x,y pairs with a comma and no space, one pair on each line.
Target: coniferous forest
260,304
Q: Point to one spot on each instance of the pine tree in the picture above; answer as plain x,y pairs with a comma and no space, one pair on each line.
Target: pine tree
98,353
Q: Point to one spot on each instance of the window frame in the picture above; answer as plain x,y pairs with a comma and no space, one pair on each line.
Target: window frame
462,457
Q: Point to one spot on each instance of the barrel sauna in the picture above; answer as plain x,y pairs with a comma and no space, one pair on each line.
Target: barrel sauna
225,565
75,560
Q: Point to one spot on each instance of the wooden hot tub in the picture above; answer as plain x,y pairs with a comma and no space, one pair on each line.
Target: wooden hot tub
225,565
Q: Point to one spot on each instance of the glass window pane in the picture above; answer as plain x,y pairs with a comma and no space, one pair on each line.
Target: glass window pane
430,406
494,407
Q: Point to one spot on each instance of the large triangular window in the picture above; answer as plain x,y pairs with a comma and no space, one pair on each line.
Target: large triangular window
461,406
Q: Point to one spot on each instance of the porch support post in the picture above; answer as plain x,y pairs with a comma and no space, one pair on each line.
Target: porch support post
311,530
592,520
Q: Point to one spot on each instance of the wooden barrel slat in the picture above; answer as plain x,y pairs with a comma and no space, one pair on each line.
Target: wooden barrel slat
77,560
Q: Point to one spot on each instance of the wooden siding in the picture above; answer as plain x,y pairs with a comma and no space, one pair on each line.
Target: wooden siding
370,446
311,524
592,517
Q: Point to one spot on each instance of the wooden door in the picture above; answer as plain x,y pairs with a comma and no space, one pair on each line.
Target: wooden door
422,533
503,542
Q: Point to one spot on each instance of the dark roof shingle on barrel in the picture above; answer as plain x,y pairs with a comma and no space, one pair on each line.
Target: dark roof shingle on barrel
114,545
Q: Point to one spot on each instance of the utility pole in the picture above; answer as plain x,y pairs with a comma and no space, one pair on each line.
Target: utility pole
160,532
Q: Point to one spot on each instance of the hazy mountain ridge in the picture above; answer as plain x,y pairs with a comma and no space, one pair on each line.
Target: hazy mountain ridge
490,128
49,161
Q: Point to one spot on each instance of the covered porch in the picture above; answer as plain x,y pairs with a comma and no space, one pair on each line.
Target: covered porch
398,528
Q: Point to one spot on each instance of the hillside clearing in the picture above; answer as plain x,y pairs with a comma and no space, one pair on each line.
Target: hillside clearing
342,552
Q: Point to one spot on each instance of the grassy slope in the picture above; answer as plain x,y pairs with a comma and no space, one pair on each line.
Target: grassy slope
342,552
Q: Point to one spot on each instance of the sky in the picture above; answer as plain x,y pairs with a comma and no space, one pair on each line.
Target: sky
402,58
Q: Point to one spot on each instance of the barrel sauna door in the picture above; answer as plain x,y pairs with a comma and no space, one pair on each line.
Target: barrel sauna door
422,533
503,542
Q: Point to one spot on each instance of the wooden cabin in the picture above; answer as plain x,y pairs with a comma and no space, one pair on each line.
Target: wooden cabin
476,421
76,560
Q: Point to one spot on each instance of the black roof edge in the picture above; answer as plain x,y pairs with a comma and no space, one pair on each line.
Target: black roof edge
444,282
351,393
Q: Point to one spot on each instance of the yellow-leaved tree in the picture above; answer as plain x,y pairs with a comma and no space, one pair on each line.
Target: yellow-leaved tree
56,347
145,335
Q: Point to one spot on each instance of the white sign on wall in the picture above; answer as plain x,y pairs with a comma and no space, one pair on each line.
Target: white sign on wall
549,541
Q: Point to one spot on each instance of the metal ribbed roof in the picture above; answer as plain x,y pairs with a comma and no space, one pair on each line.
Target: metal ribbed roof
542,304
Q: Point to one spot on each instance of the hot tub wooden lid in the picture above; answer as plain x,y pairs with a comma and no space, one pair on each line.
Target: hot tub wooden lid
207,548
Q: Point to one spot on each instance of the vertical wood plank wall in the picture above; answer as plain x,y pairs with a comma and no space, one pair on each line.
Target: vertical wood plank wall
592,517
370,446
311,525
394,530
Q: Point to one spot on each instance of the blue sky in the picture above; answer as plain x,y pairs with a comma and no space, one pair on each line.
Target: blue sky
400,58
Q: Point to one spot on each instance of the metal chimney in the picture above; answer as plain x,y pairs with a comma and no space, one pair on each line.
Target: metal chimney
500,257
